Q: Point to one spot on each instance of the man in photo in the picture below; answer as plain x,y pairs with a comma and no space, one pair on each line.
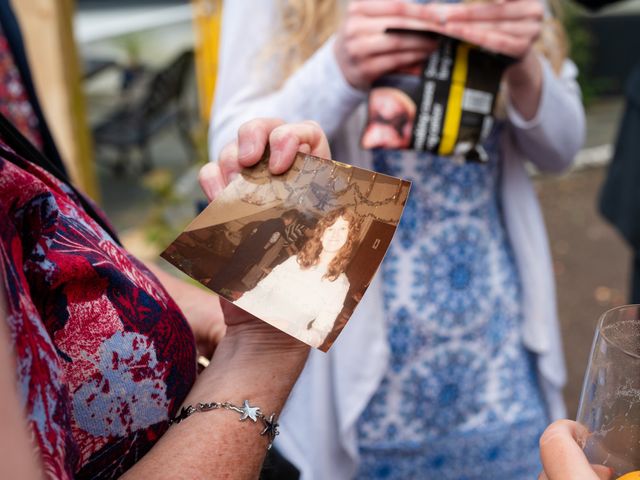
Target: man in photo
251,250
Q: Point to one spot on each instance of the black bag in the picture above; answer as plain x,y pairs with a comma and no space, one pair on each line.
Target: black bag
276,467
620,195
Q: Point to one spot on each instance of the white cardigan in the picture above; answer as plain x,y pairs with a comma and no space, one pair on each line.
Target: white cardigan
318,424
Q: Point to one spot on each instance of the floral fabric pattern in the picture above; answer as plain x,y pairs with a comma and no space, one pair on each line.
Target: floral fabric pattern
14,100
460,398
104,354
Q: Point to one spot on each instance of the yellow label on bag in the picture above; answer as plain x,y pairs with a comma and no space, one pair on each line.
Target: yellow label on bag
635,475
454,103
444,106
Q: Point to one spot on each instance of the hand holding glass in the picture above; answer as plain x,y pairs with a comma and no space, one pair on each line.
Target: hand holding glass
610,400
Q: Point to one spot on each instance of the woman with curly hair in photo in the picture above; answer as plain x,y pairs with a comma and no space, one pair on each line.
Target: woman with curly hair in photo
304,294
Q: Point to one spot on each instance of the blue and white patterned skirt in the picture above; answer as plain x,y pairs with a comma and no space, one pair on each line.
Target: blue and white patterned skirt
460,399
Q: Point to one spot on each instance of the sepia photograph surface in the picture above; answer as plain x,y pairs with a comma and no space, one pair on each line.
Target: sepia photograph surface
296,250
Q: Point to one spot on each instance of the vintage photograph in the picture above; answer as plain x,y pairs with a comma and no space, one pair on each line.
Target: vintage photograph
296,250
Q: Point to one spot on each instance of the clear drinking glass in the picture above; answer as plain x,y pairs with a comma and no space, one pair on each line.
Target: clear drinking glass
610,400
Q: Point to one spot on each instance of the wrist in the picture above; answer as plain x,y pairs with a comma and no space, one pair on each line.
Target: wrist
524,85
254,361
525,73
349,75
251,413
255,340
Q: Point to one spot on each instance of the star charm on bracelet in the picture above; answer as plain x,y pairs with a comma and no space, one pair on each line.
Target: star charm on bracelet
250,412
270,424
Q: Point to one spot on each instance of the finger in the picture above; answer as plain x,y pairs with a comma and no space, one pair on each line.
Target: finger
520,28
228,163
562,457
381,43
286,140
376,66
410,11
363,26
514,10
491,40
375,8
603,473
211,180
252,139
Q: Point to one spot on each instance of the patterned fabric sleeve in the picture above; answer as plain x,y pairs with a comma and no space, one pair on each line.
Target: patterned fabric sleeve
14,97
40,377
104,355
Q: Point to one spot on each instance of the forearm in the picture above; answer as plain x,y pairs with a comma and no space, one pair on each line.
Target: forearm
524,85
216,444
549,130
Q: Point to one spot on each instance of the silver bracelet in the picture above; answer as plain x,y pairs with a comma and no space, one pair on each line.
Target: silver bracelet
246,412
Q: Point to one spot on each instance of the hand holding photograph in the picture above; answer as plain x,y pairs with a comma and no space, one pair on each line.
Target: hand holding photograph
297,250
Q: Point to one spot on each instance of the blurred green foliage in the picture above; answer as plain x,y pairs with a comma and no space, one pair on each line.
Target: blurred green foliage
173,207
159,230
581,47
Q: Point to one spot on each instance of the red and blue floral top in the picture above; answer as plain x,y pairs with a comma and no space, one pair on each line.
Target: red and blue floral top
104,355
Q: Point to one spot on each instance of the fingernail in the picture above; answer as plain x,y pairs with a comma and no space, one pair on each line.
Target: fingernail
305,148
275,162
442,16
212,190
246,149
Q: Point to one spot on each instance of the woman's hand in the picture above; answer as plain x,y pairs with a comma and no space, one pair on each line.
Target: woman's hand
562,456
245,333
284,140
510,27
365,52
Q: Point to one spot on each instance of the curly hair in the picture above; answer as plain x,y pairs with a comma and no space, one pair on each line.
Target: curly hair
309,255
